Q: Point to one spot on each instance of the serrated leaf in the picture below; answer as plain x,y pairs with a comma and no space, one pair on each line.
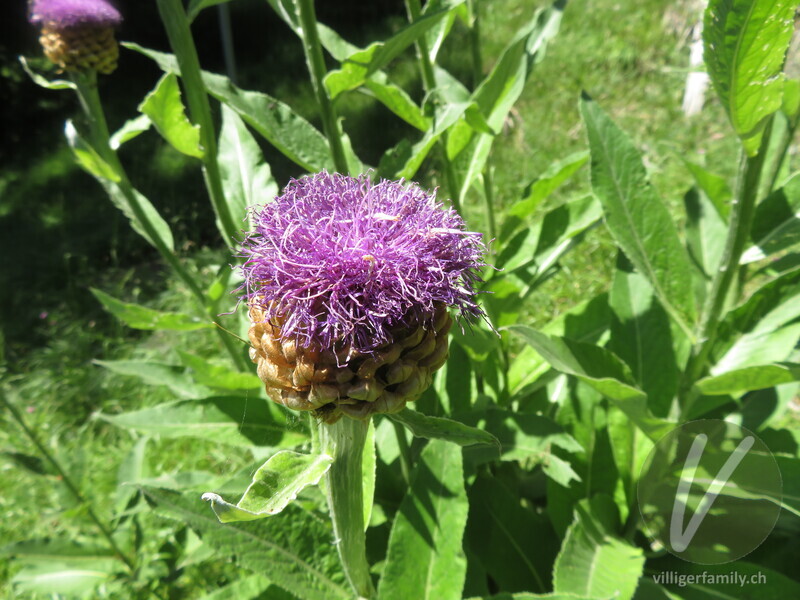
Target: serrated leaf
172,376
636,217
225,419
443,429
424,559
594,563
294,551
141,317
164,108
292,135
642,337
218,376
246,179
275,484
776,224
745,44
601,370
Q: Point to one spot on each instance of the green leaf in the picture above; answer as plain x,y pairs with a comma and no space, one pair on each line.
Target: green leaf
747,379
141,317
230,420
61,566
251,587
636,217
642,337
246,179
530,439
218,376
131,129
360,66
127,199
397,100
551,596
133,469
275,484
745,47
424,558
555,175
174,377
442,429
88,157
502,87
368,473
706,232
714,186
164,108
594,563
292,135
601,370
776,224
49,84
790,472
294,552
515,544
195,6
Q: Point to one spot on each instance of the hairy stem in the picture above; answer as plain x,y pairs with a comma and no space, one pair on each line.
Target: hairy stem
86,84
344,441
316,67
67,480
744,202
180,39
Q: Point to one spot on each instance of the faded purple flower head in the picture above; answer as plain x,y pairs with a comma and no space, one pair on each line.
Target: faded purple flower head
61,14
340,261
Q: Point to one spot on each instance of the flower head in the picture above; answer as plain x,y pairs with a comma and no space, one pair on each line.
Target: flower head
342,262
62,14
78,35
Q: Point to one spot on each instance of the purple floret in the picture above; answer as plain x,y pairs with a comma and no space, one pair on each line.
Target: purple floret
340,261
61,14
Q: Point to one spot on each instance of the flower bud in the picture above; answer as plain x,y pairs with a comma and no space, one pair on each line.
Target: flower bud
78,34
348,285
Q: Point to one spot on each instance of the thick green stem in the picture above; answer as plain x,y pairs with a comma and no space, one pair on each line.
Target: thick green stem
344,442
86,84
414,10
67,480
741,217
180,39
317,70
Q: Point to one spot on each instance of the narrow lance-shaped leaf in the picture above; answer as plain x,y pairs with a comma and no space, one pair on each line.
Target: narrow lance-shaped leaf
141,317
246,177
275,484
444,429
425,560
164,108
745,47
600,369
292,135
636,217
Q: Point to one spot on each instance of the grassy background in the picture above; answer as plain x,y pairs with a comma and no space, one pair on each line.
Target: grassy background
59,234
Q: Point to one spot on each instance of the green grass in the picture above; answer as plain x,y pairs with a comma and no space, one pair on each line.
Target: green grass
623,54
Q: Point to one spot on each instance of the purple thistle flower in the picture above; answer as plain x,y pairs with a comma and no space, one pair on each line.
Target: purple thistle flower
62,14
339,262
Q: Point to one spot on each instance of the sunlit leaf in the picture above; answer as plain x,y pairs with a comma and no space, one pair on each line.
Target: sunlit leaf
164,108
141,317
745,46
